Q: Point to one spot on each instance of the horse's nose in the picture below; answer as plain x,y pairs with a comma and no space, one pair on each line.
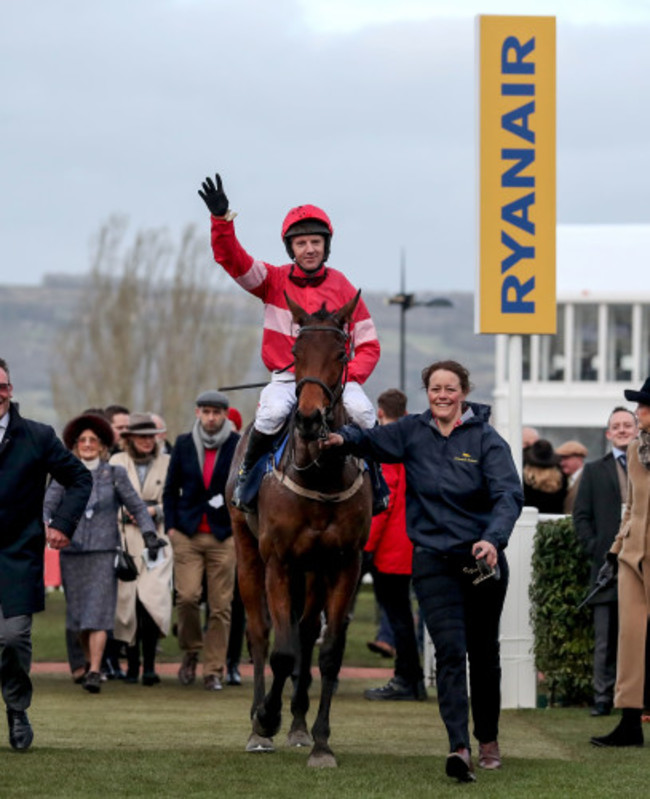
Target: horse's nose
310,425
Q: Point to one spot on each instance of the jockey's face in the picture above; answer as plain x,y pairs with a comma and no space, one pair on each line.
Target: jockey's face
308,251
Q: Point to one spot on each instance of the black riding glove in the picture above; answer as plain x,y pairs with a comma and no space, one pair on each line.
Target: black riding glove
153,544
608,571
214,197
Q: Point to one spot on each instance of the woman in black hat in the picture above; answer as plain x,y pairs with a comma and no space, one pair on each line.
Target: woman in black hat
545,486
88,566
630,557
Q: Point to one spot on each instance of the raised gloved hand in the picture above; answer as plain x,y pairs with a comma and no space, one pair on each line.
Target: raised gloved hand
153,544
608,571
214,196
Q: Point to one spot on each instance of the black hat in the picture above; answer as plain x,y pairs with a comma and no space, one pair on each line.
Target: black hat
541,454
88,421
213,399
642,396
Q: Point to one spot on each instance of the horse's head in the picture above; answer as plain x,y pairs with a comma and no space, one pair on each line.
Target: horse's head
321,355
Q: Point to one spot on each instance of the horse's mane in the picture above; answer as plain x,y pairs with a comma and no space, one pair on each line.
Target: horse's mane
322,314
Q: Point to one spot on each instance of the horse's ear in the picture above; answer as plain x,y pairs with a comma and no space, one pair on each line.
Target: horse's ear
299,314
344,314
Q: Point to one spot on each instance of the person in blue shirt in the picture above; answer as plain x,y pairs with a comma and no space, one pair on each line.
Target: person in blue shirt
463,498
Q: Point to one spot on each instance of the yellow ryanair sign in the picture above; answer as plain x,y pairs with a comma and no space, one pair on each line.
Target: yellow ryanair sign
516,150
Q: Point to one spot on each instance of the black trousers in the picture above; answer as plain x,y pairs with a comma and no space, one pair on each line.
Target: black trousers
393,592
463,622
605,645
147,635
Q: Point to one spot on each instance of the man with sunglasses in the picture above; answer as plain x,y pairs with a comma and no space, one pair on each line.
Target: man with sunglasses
29,452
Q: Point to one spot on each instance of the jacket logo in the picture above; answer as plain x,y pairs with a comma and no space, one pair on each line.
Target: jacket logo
465,457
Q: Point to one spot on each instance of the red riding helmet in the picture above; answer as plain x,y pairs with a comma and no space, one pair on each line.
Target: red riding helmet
303,220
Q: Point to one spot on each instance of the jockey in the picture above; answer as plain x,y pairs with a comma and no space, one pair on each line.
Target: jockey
307,234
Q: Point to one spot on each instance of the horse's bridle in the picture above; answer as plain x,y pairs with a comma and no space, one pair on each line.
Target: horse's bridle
334,396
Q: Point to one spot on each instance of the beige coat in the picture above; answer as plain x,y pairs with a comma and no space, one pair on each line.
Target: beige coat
631,542
153,587
631,545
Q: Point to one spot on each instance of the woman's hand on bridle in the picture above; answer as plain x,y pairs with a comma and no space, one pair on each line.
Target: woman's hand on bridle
332,440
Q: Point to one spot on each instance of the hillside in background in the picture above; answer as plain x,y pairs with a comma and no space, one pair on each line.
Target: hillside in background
33,317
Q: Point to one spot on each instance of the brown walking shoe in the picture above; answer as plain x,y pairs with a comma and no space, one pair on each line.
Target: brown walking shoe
187,671
489,756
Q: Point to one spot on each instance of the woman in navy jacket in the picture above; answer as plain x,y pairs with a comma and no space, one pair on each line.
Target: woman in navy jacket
463,499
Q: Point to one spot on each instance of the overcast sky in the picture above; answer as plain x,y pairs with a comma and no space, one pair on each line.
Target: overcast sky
361,106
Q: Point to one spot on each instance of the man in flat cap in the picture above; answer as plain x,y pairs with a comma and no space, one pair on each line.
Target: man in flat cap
572,456
198,525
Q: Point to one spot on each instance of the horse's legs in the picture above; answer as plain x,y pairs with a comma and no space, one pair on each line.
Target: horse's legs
337,604
308,630
268,715
250,575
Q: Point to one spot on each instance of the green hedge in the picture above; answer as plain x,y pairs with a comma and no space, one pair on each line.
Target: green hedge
564,639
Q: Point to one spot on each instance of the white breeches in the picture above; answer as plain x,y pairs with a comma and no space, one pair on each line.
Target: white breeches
278,398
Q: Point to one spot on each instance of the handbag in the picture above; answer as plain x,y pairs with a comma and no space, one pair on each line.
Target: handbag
125,567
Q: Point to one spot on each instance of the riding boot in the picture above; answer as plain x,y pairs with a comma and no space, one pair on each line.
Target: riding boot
380,490
258,445
133,664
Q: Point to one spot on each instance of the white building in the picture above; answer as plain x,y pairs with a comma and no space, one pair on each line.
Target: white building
572,380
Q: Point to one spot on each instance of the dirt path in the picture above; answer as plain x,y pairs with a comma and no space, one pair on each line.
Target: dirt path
246,669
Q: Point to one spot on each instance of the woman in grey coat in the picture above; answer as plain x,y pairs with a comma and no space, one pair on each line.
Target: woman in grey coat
88,566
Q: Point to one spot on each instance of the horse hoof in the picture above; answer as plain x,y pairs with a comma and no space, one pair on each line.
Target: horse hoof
265,730
257,743
299,738
322,760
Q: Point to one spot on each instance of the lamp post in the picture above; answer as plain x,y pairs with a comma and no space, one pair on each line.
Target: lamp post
405,302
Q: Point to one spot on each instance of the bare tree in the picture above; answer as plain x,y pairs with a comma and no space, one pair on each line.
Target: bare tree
157,323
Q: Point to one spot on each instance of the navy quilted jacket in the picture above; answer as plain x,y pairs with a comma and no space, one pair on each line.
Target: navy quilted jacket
460,489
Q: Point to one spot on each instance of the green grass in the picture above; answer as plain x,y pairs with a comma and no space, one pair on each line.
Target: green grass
172,741
49,633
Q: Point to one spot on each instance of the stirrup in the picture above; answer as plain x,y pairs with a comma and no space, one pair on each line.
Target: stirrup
237,500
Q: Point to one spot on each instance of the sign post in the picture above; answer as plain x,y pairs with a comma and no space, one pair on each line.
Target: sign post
516,154
516,257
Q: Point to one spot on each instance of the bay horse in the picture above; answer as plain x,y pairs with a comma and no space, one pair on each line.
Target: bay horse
301,554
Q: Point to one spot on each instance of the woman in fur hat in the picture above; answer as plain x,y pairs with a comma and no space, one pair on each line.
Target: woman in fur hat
144,607
88,565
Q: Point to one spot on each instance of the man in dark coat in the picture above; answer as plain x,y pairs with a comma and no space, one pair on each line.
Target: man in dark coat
597,517
198,525
29,451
